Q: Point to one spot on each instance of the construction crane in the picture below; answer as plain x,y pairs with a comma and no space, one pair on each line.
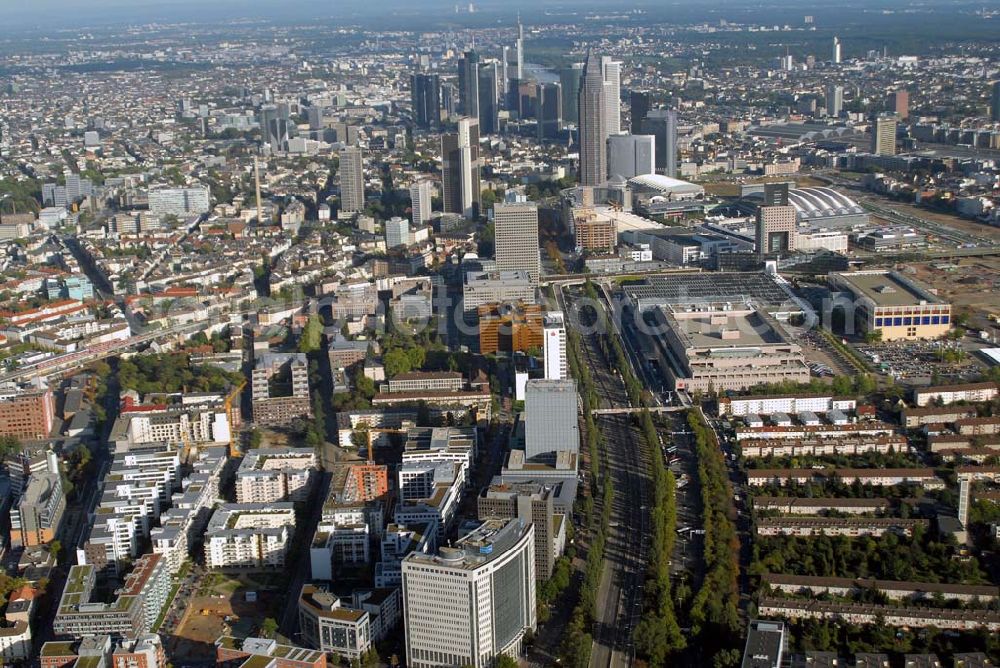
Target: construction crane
234,450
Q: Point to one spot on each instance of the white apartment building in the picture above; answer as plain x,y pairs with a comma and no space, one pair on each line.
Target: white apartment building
329,626
249,536
473,602
554,346
784,403
949,394
275,474
179,202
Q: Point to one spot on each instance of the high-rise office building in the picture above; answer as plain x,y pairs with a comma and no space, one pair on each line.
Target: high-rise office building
836,50
421,194
397,232
352,181
468,84
898,102
519,48
275,126
425,95
550,424
593,128
884,135
776,221
554,345
662,124
570,78
834,100
460,182
550,104
473,601
995,102
631,155
449,99
489,110
638,106
516,237
613,91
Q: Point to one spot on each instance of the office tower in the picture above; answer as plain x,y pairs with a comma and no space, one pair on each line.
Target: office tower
352,181
884,136
612,71
554,345
421,193
662,124
460,168
425,95
570,78
631,155
473,601
776,221
550,105
836,51
516,236
995,102
550,424
489,112
519,47
397,232
448,99
834,100
898,102
593,129
638,105
315,115
275,126
504,72
468,84
180,202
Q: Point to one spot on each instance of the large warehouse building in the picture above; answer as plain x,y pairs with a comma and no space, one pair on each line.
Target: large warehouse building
896,306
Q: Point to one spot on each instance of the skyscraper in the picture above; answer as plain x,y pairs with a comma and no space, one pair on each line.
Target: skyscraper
352,181
550,423
468,84
898,102
425,95
421,193
550,104
489,112
516,237
884,135
275,127
834,100
570,78
613,83
662,123
473,601
836,51
995,102
460,168
631,155
519,47
593,128
554,345
638,104
776,222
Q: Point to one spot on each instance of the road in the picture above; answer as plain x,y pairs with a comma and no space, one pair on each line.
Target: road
289,622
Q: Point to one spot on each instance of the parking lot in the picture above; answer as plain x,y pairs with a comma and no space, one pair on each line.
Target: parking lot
918,360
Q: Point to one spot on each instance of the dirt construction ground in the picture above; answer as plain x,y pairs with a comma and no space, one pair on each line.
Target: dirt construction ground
204,621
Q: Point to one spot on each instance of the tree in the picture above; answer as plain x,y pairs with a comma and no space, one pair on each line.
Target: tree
55,548
396,361
873,336
365,386
256,438
504,661
312,335
268,627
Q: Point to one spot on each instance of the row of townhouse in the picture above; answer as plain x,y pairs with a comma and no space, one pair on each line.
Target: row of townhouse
925,477
867,429
837,526
895,590
823,447
891,615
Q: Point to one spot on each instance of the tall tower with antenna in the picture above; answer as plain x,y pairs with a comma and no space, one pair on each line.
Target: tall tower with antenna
256,178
